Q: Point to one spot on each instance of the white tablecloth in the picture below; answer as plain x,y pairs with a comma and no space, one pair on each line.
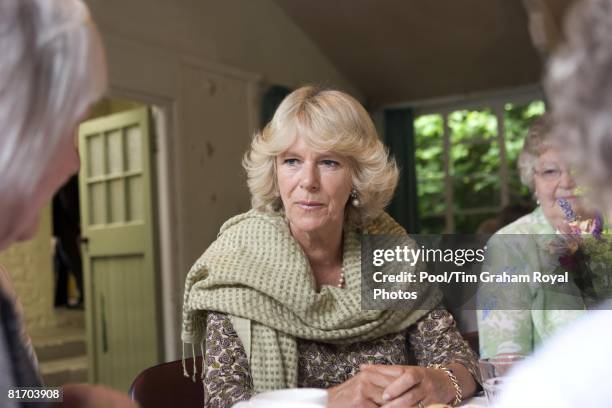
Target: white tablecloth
475,402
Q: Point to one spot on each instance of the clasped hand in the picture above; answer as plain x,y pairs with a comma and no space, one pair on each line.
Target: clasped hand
391,386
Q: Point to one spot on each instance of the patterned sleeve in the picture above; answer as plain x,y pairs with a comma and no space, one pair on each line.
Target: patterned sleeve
228,378
505,331
504,317
435,339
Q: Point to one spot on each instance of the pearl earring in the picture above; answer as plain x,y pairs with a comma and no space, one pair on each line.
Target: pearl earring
354,198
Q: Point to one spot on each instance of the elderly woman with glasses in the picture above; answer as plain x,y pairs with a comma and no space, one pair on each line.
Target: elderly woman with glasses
517,318
275,301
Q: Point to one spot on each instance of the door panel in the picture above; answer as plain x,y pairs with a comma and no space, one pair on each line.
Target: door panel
118,256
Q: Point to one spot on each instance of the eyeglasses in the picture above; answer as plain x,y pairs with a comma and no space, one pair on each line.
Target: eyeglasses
553,173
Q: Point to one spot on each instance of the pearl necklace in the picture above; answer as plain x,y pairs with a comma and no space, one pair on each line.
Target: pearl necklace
341,281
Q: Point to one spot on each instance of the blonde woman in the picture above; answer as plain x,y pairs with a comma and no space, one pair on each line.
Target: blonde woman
289,272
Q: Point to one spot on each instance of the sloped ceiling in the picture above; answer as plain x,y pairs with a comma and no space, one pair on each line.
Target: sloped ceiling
407,50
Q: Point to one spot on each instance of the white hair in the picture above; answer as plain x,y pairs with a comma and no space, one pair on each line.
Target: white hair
538,140
579,84
53,67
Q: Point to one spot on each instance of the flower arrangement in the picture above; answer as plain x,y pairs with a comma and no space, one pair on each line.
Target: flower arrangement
593,226
585,253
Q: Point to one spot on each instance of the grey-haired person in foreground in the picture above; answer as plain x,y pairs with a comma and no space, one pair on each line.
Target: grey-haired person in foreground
53,68
572,370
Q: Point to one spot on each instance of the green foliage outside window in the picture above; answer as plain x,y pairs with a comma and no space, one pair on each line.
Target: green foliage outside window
474,164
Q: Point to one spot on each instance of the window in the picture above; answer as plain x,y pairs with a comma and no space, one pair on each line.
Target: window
466,162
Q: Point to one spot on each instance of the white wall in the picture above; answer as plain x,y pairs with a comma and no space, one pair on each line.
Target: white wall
204,64
252,35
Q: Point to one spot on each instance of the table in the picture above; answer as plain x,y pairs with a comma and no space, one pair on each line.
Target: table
475,402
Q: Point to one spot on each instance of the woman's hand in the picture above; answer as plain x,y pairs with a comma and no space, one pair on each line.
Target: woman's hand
364,390
413,384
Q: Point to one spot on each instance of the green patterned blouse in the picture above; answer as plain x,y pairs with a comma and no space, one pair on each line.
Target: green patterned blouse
521,330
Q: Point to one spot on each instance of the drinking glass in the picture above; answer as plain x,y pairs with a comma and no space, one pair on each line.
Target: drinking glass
494,372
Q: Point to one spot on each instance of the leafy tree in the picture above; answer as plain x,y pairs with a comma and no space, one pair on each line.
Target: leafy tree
474,164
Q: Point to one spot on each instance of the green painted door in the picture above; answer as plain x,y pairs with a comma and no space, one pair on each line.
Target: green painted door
120,278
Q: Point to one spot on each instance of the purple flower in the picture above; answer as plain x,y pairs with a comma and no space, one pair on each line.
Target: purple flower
566,207
598,228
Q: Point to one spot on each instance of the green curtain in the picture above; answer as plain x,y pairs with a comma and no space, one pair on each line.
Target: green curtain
399,138
270,100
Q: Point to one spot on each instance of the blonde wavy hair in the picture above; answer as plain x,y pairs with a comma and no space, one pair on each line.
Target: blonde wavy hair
332,121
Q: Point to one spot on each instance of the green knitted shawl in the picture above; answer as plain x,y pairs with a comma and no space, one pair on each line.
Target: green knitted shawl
256,270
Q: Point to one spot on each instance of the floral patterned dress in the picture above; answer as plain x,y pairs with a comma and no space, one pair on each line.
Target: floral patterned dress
522,329
434,339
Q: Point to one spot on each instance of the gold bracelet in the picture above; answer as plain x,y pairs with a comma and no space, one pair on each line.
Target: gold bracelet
453,379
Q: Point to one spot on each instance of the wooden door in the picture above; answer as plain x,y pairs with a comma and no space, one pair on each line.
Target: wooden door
120,275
